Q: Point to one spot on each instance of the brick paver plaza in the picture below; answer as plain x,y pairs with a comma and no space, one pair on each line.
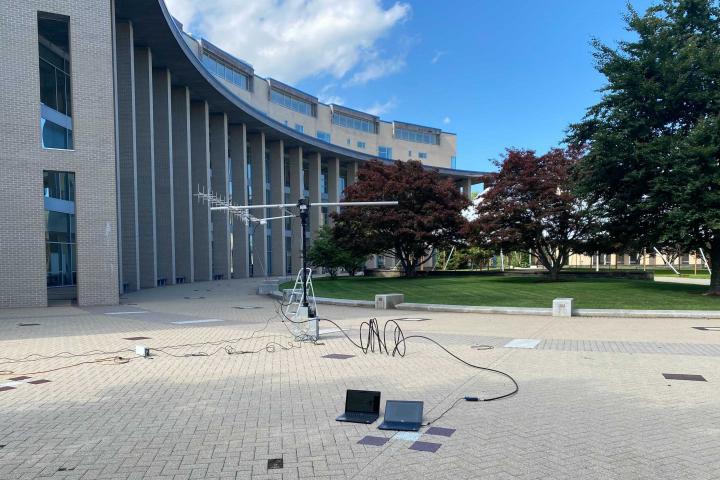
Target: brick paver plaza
593,401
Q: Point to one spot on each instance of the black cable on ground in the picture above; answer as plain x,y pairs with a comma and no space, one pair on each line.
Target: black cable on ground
370,338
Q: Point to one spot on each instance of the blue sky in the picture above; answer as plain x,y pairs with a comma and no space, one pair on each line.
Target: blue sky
499,74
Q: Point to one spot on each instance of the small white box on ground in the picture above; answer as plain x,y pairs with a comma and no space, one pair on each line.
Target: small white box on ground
142,350
562,307
388,301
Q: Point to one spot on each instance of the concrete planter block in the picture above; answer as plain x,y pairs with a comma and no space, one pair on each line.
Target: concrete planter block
267,288
562,307
388,301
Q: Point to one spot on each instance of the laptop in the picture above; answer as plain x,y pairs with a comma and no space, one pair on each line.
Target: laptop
361,406
402,415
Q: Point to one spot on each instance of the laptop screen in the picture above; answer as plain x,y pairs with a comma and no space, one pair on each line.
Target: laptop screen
361,401
403,411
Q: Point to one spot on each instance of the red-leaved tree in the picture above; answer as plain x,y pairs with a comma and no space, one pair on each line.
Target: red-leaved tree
427,217
529,207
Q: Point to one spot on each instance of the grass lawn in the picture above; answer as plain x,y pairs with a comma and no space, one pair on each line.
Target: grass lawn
522,292
684,273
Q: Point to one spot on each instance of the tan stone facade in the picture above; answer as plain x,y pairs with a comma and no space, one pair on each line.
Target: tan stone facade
23,159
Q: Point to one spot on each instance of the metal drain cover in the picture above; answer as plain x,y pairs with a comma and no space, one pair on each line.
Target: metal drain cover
275,463
684,376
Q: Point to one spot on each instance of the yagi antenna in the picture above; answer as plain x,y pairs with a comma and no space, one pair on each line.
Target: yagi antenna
218,203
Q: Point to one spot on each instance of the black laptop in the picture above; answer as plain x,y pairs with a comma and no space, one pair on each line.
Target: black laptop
361,406
402,415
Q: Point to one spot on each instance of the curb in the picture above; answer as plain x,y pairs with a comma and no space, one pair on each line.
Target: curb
429,307
577,312
334,301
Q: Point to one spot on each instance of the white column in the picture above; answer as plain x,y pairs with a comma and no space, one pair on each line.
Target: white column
219,181
238,157
200,172
296,192
333,182
164,198
315,185
277,195
258,232
182,181
127,156
145,151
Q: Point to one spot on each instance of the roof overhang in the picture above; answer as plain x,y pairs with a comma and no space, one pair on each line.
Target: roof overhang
154,27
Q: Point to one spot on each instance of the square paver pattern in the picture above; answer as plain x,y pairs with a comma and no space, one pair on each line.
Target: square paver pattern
592,403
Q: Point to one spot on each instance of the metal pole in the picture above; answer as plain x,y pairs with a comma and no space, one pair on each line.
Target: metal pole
666,262
303,208
705,260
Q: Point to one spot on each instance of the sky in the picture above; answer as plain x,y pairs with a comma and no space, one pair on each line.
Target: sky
499,74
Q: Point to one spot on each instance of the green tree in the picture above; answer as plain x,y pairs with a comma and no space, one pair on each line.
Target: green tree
652,170
328,253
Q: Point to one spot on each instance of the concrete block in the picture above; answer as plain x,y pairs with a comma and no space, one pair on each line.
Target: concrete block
388,301
266,288
562,307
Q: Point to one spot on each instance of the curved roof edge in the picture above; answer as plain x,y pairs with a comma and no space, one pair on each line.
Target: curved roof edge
154,27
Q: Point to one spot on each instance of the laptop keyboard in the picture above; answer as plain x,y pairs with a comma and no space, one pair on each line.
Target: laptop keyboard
358,416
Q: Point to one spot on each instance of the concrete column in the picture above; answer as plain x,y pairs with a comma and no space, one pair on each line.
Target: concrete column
238,158
467,187
333,182
315,167
127,156
182,181
200,174
352,169
145,151
277,195
164,203
219,180
258,232
296,191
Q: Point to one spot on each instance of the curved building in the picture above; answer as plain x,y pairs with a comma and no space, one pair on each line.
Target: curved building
113,118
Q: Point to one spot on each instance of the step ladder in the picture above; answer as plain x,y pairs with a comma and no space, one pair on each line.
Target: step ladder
294,310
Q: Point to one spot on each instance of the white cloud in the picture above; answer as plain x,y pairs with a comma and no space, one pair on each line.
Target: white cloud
436,57
377,68
446,120
337,100
295,39
378,109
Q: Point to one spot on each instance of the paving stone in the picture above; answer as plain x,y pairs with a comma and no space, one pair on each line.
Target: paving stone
591,403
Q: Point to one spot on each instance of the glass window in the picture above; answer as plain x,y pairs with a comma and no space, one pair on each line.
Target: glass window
422,155
385,152
225,70
324,136
418,137
55,85
293,103
355,123
60,233
453,162
299,128
360,144
60,185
